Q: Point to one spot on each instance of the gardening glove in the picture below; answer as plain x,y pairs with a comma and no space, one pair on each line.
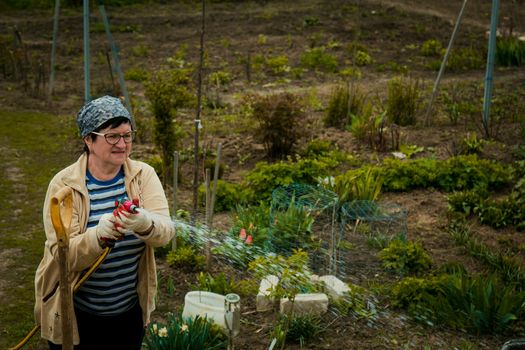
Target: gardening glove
106,230
140,221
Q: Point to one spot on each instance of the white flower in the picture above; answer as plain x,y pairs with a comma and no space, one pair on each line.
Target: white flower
183,328
163,332
155,328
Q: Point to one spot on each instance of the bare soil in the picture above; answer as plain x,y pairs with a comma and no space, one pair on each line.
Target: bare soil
393,31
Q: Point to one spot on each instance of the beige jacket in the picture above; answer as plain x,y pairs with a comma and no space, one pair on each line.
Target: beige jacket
142,183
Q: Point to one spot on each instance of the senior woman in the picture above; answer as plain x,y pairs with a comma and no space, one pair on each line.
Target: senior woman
113,306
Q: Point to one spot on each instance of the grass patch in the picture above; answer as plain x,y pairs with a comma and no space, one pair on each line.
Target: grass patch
33,148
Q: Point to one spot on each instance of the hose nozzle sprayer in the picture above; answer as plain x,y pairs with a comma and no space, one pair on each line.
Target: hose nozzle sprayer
124,204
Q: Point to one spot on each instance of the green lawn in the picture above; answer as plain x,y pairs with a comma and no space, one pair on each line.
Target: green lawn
33,147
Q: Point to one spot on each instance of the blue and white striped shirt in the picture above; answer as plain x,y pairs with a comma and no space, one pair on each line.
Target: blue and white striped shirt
112,289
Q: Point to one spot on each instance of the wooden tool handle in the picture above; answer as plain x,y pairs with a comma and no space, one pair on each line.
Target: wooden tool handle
61,213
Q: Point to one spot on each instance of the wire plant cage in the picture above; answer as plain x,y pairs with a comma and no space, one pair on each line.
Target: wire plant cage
306,217
374,218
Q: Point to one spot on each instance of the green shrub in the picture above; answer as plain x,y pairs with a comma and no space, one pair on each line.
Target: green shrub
318,59
464,201
264,178
280,122
186,257
319,148
292,229
167,91
303,329
362,58
364,184
367,125
465,59
508,268
403,102
255,220
137,74
479,304
357,301
191,334
460,100
510,51
405,257
411,291
220,78
277,65
345,101
431,47
350,73
219,283
453,174
227,196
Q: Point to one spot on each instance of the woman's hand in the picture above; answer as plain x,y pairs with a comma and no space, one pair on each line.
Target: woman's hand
139,222
106,230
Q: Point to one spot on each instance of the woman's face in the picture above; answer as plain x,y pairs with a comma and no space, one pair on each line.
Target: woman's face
105,154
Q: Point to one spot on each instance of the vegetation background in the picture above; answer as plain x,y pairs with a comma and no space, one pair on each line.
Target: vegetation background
356,77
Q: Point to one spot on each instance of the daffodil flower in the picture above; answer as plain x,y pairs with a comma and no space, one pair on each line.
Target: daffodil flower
163,332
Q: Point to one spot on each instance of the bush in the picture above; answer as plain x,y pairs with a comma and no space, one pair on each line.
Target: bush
186,257
137,74
510,51
254,220
292,229
227,196
219,283
317,59
280,122
405,257
431,47
264,178
167,91
345,102
303,329
454,174
480,304
465,59
277,65
403,102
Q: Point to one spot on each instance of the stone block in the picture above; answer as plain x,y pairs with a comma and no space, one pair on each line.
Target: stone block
334,286
263,300
306,304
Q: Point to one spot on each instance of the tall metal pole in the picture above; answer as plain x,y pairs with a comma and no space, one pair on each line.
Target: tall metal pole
197,119
53,49
87,81
116,59
443,64
490,66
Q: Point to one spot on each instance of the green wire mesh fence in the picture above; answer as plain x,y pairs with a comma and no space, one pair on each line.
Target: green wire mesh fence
313,219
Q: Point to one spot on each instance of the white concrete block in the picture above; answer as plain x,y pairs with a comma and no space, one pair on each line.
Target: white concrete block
263,300
306,304
334,286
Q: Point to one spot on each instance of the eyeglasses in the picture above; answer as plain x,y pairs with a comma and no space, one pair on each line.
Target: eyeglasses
114,138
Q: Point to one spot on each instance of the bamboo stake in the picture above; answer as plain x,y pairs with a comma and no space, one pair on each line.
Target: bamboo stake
53,49
443,64
197,119
208,219
175,188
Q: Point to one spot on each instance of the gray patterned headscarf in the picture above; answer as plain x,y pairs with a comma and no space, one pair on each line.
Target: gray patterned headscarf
95,113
